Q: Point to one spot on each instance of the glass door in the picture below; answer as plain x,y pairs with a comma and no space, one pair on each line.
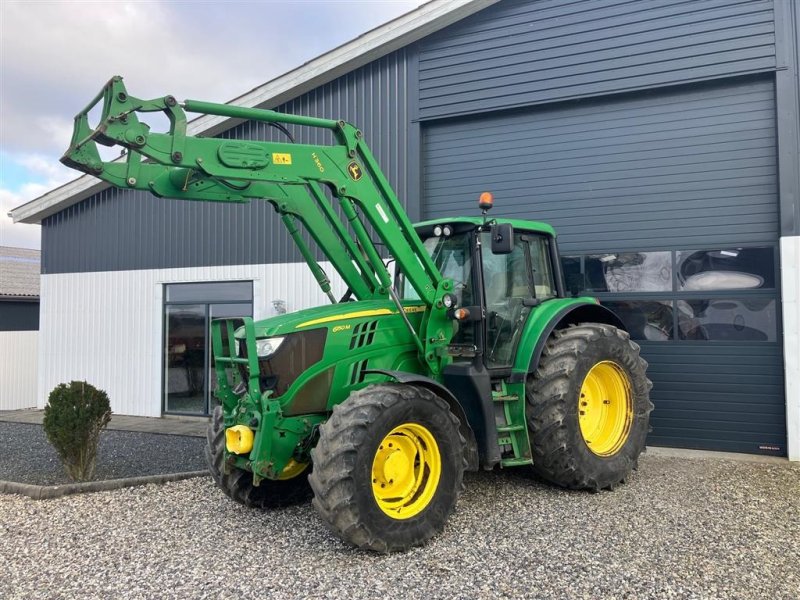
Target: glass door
189,308
185,360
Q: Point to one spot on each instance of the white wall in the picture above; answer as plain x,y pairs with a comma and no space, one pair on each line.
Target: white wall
790,284
18,358
107,328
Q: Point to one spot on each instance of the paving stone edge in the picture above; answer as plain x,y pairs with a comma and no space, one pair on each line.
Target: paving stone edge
45,492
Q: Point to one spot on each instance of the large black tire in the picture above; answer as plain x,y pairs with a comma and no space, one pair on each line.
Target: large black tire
560,452
238,484
343,461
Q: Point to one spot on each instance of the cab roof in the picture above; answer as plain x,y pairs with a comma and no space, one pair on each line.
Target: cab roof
521,224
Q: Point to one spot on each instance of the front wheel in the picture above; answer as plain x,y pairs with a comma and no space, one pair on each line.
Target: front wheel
238,484
388,467
588,407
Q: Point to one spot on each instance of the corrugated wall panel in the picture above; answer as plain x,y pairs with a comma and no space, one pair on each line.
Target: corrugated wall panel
124,230
18,361
728,397
112,337
522,52
641,172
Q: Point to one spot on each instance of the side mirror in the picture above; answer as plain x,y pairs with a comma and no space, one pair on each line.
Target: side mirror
502,238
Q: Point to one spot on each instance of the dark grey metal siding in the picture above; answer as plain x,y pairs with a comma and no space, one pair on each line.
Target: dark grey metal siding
19,315
640,172
121,230
686,168
524,52
717,396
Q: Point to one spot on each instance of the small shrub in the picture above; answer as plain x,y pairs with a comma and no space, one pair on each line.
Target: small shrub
75,415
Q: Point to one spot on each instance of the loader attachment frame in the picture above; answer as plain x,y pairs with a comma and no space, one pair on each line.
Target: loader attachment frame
337,193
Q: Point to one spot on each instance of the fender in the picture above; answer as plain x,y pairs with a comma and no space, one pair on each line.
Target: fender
542,323
471,451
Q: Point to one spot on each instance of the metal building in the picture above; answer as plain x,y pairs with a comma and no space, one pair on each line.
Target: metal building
19,326
660,138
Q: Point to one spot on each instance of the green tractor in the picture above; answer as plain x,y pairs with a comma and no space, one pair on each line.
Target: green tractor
466,353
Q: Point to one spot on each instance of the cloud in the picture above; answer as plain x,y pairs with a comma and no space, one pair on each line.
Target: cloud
56,54
44,173
17,234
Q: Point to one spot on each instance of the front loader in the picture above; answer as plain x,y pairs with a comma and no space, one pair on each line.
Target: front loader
472,355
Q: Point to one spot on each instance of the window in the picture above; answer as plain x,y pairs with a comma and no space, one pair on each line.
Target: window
726,269
452,256
697,295
629,272
650,320
725,319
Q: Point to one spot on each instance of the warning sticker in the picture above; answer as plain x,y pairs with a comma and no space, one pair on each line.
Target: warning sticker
281,158
355,171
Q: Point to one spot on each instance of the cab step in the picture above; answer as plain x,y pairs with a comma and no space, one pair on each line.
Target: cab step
508,428
515,462
512,430
505,398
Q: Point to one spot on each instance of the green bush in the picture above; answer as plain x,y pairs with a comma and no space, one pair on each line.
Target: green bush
75,415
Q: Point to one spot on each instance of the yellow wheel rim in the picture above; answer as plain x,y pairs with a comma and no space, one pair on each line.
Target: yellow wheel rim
605,410
406,471
292,469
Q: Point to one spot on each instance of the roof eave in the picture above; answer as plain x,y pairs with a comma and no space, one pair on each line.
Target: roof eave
374,44
15,298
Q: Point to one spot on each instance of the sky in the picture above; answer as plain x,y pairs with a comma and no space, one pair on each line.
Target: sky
55,55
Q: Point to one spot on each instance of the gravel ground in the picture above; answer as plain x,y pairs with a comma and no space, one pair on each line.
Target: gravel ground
700,528
27,457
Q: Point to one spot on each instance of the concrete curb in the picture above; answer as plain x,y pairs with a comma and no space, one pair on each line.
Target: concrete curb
44,492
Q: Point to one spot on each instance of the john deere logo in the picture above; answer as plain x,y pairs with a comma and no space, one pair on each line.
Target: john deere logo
354,170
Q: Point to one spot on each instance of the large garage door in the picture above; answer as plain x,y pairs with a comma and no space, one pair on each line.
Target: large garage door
666,208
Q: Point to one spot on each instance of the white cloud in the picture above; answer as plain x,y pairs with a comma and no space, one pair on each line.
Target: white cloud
45,166
49,174
56,54
19,234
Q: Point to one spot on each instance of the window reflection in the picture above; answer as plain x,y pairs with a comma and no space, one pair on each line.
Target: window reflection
629,272
726,269
645,320
725,319
573,275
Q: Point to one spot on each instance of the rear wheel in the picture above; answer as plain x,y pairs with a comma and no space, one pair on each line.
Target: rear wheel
388,467
588,407
291,488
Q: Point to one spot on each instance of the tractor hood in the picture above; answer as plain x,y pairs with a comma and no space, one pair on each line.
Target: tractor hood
332,315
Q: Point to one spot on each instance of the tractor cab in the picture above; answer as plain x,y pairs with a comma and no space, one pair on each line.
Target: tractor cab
501,270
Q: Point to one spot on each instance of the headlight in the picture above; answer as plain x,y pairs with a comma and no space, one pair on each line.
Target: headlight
268,346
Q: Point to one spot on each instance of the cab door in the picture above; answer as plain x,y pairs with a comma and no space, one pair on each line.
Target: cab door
514,284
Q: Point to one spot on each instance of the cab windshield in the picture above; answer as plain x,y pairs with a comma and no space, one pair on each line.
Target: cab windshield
453,258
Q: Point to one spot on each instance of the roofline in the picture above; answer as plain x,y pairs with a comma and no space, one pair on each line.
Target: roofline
13,298
397,33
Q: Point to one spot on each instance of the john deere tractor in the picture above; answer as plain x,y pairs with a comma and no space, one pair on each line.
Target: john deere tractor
466,352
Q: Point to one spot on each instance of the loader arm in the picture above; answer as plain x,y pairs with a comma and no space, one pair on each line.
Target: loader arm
291,177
